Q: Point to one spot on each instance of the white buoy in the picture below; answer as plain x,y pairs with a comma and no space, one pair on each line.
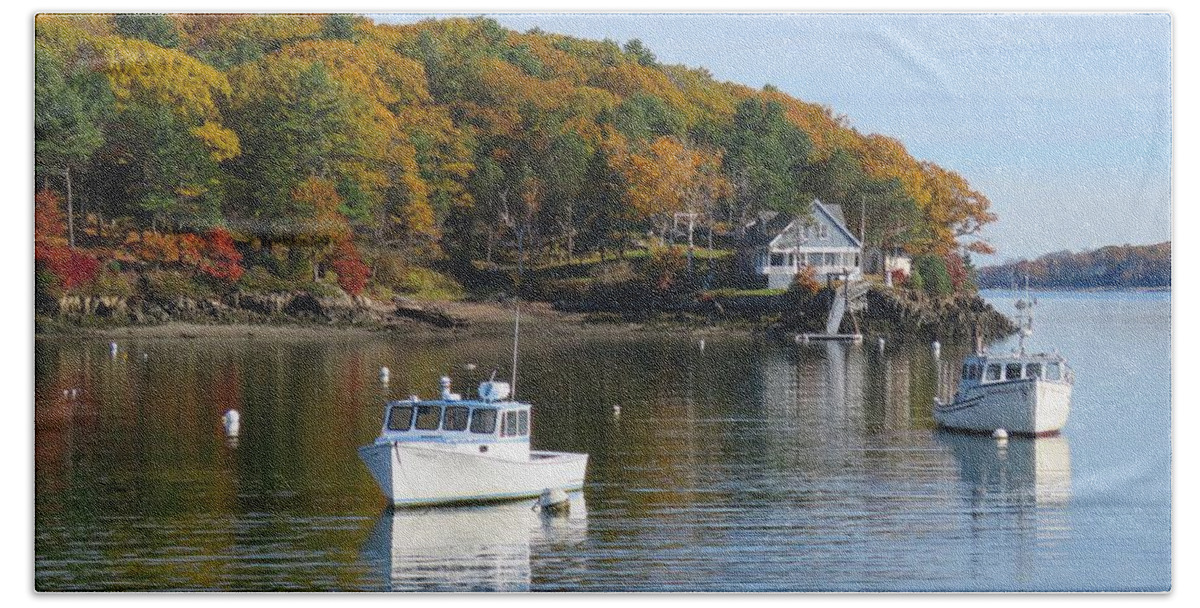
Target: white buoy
470,367
937,349
553,501
233,423
384,374
881,343
701,344
112,349
616,410
1000,435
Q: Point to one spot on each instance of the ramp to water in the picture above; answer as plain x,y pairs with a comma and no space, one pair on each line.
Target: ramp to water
836,312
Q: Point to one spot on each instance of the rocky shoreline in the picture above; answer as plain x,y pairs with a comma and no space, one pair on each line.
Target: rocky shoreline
894,313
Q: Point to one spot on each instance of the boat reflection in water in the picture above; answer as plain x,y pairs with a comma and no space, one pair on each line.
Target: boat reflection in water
468,548
1022,469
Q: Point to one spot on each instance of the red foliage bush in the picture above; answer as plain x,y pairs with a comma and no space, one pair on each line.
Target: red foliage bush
221,259
351,272
806,280
48,223
899,277
957,269
72,268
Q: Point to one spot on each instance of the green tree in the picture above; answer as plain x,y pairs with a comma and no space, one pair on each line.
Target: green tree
70,107
766,157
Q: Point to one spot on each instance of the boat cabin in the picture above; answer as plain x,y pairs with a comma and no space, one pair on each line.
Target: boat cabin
492,424
989,370
464,419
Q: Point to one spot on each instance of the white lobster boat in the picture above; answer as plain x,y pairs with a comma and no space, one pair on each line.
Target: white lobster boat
452,450
1019,392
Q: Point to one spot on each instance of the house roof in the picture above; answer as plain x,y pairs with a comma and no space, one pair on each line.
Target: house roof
771,224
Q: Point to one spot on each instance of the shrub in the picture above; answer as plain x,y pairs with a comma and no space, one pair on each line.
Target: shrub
613,273
806,281
109,283
351,272
935,278
258,279
169,285
221,259
663,269
427,284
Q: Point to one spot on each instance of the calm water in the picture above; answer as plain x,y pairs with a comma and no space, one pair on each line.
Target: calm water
743,466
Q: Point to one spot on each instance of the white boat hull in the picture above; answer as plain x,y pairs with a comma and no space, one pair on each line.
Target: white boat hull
1027,407
411,474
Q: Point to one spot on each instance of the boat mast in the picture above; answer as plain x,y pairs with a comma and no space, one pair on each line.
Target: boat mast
1025,320
516,339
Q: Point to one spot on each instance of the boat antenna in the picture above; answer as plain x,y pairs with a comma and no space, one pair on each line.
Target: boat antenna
1025,321
516,340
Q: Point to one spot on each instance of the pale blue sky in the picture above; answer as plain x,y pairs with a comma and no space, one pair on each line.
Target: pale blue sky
1062,120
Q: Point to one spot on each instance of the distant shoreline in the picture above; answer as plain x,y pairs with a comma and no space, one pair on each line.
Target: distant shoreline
1084,289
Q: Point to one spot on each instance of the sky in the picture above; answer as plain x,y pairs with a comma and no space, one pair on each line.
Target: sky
1062,120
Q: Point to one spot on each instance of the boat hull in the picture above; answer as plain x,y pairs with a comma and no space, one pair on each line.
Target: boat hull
1025,407
415,475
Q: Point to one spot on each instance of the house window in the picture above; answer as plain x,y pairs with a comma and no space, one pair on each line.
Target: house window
856,260
831,259
778,259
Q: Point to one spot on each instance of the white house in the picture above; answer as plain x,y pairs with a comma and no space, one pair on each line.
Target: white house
776,247
877,261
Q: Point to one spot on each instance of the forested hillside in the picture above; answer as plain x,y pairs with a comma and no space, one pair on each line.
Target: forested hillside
1124,266
272,152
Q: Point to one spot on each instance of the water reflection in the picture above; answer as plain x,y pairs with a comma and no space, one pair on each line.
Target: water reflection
1025,471
469,548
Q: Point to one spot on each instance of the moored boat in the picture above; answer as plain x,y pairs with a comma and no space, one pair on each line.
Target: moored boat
452,450
1018,392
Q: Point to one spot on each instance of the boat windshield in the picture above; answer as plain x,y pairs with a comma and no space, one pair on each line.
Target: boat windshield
1054,371
515,423
455,418
428,417
400,418
1033,370
993,371
972,371
1012,371
483,420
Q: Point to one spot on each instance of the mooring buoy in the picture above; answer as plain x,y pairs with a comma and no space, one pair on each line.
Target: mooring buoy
553,501
233,423
384,374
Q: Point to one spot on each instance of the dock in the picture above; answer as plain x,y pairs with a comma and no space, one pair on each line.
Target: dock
852,299
805,338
